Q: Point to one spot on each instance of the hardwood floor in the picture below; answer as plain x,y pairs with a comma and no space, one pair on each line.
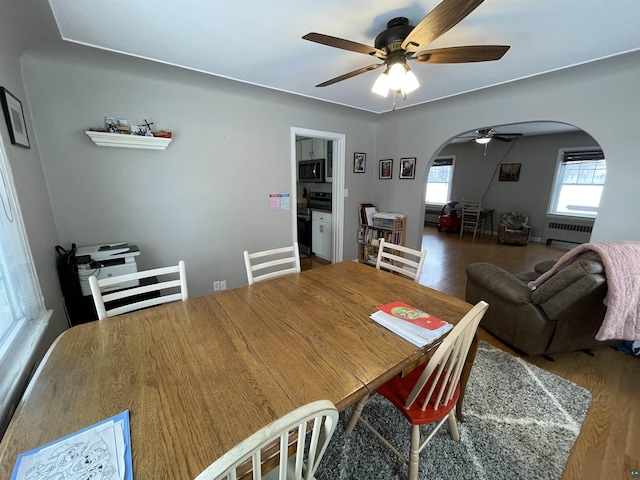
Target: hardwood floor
609,442
309,262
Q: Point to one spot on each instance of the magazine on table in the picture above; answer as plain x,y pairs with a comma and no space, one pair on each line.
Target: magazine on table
410,323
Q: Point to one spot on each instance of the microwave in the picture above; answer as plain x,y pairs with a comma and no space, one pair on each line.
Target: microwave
311,170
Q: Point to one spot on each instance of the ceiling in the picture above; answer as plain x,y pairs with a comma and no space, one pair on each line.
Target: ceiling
260,43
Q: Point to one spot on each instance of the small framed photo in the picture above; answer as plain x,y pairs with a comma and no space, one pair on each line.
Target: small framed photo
14,116
509,172
116,125
386,168
359,162
408,167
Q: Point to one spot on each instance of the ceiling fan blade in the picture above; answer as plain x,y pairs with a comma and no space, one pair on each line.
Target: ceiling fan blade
471,53
506,137
344,44
350,74
438,21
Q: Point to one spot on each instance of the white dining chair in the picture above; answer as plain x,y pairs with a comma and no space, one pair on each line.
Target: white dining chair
471,217
272,263
400,259
305,431
143,296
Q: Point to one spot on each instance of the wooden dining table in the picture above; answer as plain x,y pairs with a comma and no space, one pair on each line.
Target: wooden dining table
199,376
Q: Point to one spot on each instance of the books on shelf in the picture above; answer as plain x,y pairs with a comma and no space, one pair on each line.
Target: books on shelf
367,211
410,323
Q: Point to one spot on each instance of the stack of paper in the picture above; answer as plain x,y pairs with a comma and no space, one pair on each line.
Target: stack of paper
412,324
101,451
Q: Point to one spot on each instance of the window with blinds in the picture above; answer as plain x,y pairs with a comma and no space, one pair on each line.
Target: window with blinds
439,181
579,181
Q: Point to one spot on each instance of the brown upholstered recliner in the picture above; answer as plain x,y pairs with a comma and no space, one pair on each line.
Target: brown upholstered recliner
562,314
513,228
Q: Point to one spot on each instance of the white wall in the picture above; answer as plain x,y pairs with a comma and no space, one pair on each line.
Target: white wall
601,98
206,198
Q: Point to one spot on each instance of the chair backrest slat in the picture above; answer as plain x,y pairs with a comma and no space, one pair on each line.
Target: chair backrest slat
101,299
445,367
321,416
270,262
397,258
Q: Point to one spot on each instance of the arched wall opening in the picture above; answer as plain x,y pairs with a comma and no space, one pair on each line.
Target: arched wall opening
530,148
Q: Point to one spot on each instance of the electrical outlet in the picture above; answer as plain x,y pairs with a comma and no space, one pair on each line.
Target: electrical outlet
216,286
223,284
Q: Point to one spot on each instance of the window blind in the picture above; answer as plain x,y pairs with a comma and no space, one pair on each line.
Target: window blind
582,155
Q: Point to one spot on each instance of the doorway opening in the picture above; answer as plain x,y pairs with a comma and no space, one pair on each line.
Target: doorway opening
317,167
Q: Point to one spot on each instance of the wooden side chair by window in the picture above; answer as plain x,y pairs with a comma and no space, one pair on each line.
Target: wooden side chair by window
472,218
272,263
147,294
428,394
283,443
400,259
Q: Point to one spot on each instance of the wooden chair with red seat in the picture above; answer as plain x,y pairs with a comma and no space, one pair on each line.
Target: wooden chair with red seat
428,394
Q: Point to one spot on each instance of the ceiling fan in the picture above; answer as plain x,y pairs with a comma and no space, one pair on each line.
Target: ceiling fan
401,42
485,135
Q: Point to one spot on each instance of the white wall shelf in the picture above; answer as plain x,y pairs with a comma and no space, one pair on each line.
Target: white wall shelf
104,139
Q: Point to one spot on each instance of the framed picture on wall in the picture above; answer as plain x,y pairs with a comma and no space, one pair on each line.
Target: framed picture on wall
509,172
386,168
408,167
14,116
359,162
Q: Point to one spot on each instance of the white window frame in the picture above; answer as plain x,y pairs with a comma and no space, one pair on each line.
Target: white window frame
557,183
20,342
452,158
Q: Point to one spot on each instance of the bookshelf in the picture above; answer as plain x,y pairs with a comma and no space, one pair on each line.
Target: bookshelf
373,225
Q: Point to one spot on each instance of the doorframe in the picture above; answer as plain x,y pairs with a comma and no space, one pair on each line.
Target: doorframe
337,186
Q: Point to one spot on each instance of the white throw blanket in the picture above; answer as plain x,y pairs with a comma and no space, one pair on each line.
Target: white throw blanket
621,261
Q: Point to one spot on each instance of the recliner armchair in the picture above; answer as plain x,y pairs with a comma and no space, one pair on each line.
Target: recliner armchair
513,228
562,314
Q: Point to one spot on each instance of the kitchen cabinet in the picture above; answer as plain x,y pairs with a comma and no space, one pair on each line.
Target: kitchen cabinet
312,148
328,167
321,235
298,150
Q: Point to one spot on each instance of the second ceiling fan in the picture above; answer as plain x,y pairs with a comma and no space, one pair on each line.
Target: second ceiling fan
485,135
401,42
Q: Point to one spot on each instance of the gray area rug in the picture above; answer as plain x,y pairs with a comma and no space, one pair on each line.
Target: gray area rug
521,423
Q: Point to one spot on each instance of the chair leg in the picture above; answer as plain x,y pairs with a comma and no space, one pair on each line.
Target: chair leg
453,426
414,452
356,415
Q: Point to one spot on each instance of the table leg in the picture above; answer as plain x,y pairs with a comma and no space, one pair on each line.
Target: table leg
464,377
491,218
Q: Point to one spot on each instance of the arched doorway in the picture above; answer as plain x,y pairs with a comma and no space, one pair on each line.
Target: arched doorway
534,150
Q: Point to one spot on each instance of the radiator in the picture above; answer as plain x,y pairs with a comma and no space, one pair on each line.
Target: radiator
567,229
431,214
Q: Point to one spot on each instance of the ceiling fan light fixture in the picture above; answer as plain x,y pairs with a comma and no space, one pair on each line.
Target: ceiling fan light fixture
397,74
410,82
381,85
483,140
398,77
